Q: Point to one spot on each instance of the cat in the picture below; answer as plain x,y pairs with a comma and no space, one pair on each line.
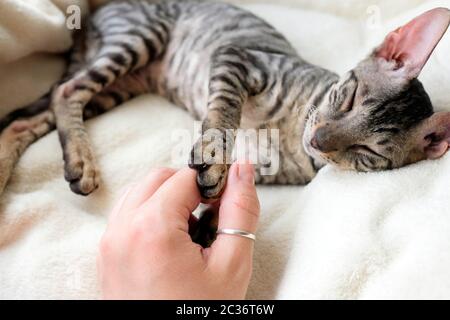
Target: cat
231,69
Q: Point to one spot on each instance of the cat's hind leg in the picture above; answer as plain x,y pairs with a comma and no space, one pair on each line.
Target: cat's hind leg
16,138
113,61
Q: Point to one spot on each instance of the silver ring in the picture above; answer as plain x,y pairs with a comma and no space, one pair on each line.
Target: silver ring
236,232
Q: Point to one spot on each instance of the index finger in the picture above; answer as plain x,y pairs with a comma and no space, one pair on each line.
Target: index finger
139,193
147,187
177,197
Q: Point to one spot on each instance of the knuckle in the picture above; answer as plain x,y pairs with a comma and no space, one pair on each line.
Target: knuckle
139,230
149,232
248,203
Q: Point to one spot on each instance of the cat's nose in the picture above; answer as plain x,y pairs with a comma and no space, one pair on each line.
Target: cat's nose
314,143
321,140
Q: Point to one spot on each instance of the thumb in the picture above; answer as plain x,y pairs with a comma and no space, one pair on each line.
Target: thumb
239,209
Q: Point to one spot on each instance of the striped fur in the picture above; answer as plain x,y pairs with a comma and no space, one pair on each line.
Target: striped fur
221,63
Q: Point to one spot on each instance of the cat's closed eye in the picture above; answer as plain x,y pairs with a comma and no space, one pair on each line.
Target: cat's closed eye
364,150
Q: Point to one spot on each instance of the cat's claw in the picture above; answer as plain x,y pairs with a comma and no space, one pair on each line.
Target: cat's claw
81,173
212,170
211,181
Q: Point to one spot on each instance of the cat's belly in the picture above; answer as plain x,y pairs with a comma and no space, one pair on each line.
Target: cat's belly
189,89
186,85
183,73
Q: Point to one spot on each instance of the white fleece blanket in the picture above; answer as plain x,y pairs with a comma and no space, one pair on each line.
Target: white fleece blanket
345,235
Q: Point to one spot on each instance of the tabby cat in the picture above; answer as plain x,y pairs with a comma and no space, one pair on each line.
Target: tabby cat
231,69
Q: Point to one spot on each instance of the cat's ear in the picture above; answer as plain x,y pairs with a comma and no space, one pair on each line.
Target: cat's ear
411,45
434,135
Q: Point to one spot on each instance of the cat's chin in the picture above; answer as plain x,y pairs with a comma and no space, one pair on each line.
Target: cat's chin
318,160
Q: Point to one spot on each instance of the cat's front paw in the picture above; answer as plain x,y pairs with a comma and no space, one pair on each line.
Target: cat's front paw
80,169
211,180
209,158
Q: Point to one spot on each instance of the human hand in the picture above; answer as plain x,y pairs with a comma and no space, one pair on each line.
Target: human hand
147,253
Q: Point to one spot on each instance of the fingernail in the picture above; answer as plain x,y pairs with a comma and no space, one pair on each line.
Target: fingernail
247,173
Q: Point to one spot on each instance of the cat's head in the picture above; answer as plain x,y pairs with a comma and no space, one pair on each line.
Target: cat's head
378,116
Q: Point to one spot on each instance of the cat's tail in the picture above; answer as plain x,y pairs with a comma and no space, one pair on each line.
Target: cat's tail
28,111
